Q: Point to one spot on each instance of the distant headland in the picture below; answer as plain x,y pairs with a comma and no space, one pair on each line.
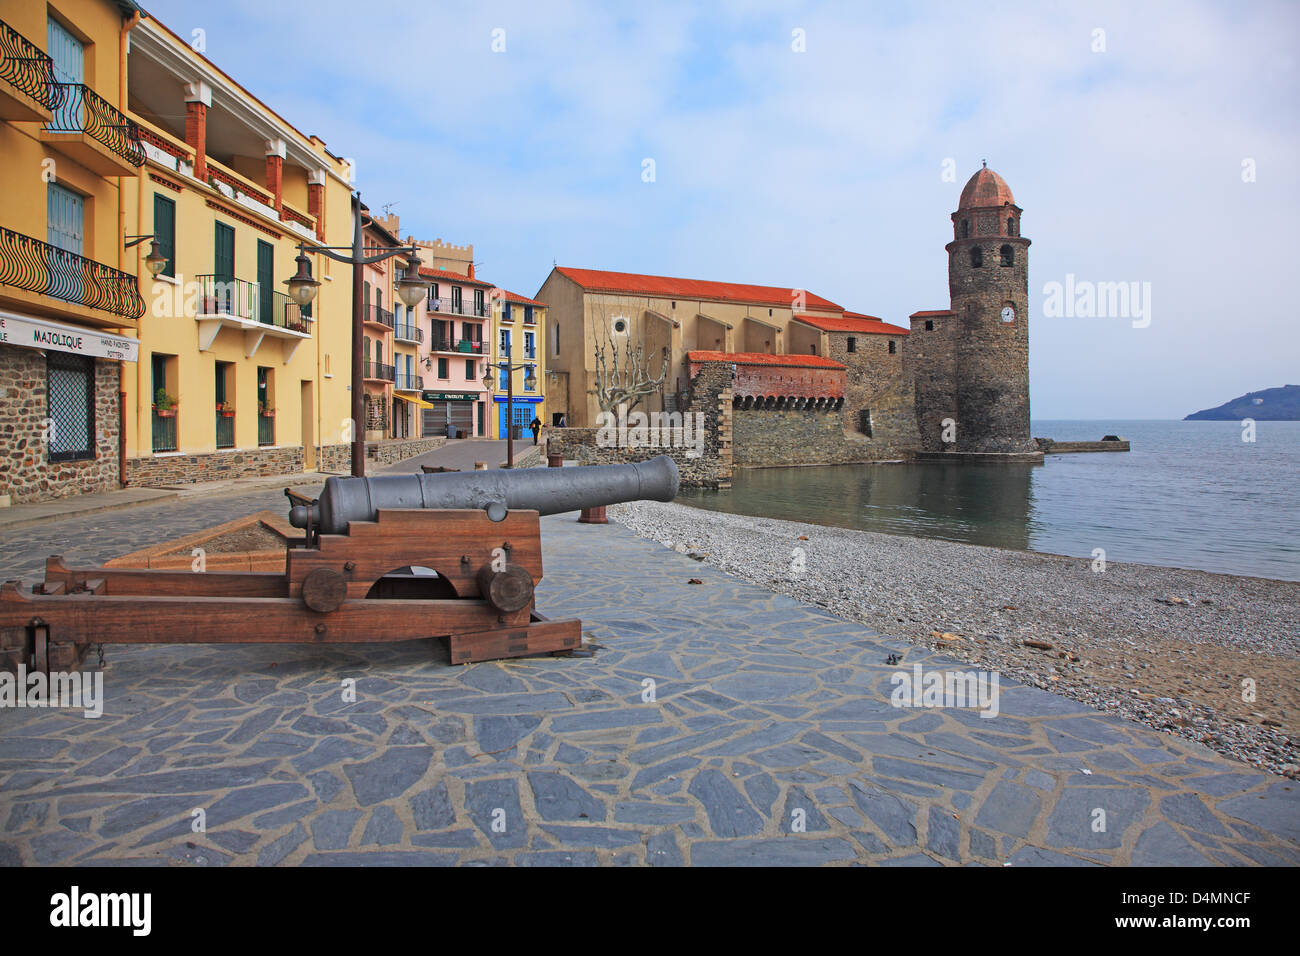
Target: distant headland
1271,405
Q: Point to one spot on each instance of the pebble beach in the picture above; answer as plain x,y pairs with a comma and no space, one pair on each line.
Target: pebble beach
1213,658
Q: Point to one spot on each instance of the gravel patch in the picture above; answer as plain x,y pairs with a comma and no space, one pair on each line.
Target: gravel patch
1174,649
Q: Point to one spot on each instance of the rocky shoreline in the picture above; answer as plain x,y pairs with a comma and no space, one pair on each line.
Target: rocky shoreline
1170,648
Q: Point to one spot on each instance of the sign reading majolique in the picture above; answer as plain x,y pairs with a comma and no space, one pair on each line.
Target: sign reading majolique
451,396
33,333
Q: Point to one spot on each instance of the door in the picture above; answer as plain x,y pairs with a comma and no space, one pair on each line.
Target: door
223,267
265,282
308,432
66,213
69,58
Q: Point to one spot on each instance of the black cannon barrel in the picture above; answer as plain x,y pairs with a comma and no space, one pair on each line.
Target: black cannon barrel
545,490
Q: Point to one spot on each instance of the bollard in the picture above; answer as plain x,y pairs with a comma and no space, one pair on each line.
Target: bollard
593,516
554,461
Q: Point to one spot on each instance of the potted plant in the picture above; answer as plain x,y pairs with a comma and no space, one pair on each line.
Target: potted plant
264,409
164,404
226,409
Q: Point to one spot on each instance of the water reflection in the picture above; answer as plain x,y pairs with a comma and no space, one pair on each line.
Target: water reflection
986,504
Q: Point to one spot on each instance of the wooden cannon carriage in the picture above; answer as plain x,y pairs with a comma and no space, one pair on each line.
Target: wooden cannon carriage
393,558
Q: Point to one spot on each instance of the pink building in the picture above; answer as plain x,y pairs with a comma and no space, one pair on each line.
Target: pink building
456,320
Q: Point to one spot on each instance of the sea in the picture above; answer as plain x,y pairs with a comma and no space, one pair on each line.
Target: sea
1188,495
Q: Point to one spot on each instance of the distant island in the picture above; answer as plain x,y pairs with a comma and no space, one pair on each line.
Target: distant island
1271,405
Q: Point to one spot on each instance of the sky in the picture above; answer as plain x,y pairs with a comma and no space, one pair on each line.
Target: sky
824,146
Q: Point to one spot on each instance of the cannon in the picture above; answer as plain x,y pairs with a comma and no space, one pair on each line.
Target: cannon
390,558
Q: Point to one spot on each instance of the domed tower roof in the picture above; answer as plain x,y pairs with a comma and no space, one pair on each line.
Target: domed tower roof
986,188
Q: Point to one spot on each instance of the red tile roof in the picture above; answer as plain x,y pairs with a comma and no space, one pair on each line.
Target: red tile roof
853,322
595,280
922,315
763,358
446,275
523,299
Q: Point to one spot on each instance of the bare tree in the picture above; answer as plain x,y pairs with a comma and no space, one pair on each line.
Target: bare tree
629,364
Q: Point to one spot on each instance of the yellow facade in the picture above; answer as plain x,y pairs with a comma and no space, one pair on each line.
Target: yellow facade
219,333
527,403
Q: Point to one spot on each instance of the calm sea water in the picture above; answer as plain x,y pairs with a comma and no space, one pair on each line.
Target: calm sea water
1189,495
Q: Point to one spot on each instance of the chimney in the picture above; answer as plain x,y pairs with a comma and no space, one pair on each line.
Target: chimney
471,270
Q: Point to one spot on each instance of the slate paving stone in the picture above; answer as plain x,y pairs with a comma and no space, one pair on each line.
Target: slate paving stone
765,706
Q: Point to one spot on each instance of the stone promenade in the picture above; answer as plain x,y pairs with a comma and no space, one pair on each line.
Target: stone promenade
713,724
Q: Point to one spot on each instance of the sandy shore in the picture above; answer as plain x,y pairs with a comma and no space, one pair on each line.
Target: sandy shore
1170,648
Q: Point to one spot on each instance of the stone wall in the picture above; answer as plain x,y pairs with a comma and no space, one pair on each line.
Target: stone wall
770,437
26,473
159,470
711,394
879,382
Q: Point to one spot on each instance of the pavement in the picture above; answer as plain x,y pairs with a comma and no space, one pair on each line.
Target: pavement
713,723
462,453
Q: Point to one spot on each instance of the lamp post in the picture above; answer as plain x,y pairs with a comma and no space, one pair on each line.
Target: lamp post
411,289
530,383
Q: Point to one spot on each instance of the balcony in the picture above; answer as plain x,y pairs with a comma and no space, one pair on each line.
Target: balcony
164,429
459,347
377,372
26,78
35,266
265,427
247,307
448,307
378,316
408,383
404,332
90,130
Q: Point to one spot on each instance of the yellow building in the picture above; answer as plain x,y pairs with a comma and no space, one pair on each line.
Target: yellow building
69,298
233,378
519,338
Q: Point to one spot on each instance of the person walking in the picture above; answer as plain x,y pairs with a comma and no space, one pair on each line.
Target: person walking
536,426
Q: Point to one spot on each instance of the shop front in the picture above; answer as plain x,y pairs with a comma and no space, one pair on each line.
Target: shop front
520,412
442,411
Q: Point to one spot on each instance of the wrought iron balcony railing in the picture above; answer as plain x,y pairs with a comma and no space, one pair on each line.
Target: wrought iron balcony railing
378,370
464,346
407,333
36,266
26,67
79,109
451,307
409,383
379,316
220,295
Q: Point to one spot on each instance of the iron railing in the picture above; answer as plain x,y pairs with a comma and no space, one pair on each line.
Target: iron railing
409,383
36,266
378,370
266,429
379,316
26,67
446,305
407,333
465,346
164,431
220,295
225,430
79,109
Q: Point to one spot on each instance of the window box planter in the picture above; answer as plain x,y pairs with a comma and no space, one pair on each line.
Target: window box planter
169,412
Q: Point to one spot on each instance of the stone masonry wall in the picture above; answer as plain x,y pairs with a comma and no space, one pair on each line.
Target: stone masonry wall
881,383
26,473
769,437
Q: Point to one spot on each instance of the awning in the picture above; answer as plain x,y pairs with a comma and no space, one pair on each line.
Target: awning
34,333
419,401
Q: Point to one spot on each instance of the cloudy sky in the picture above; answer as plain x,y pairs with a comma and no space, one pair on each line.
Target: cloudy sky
1148,143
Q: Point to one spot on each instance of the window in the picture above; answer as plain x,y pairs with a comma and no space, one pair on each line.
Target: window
469,370
530,346
893,347
853,343
1011,225
965,228
528,315
164,231
929,325
976,257
433,296
442,369
70,387
505,343
1008,255
478,302
506,315
555,339
455,299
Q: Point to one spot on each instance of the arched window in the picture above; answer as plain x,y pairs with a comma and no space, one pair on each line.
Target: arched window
1011,225
976,257
965,228
1008,255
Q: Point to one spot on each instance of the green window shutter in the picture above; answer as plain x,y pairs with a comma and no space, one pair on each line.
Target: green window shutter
164,231
223,260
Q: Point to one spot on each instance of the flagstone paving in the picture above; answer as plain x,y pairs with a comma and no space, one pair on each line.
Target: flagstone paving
712,724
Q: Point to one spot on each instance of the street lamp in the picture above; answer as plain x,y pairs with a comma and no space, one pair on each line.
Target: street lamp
410,289
155,261
530,383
